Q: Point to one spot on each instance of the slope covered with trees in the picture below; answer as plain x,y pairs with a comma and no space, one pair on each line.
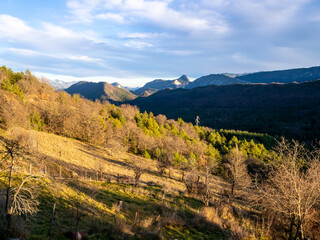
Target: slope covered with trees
290,110
113,172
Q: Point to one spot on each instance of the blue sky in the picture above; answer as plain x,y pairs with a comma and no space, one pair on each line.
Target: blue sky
135,41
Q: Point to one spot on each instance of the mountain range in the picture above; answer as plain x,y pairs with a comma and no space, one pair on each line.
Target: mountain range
59,84
117,92
160,84
214,79
283,76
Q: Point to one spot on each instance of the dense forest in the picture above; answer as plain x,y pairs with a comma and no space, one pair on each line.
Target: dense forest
291,110
271,186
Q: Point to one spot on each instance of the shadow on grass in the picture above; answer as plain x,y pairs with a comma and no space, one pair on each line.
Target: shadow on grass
175,219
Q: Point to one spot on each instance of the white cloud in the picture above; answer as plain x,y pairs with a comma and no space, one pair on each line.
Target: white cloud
130,81
141,35
184,52
156,12
32,53
111,16
85,59
13,28
82,10
266,15
138,44
22,51
57,32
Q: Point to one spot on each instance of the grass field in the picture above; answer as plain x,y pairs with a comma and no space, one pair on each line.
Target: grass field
97,185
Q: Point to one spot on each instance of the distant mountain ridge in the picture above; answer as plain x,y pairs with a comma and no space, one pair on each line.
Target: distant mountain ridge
214,79
160,84
59,84
283,76
100,90
117,92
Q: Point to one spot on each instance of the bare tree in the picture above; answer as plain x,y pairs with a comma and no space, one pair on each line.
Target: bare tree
237,167
293,190
210,166
11,149
138,171
100,168
197,121
19,199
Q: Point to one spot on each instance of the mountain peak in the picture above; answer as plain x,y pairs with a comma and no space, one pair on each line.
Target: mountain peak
116,84
184,78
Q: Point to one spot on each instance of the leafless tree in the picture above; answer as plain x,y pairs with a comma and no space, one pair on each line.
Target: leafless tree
18,198
237,167
293,190
209,168
138,170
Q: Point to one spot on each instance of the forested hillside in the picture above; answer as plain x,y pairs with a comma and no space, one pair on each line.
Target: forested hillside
290,110
71,166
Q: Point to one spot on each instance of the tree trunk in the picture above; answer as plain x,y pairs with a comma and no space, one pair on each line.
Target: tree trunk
52,219
207,190
291,228
233,187
9,185
7,209
301,232
298,230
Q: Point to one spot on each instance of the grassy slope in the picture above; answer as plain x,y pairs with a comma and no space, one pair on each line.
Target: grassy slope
159,208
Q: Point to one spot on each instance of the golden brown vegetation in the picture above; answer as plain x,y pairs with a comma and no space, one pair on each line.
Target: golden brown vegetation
120,174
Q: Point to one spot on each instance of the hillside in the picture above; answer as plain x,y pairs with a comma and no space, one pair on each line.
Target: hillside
292,110
283,76
98,178
101,90
71,168
214,79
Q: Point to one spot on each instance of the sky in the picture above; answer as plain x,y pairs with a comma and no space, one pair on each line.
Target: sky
135,41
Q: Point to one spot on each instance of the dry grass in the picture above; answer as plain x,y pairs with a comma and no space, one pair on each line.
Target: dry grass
87,157
80,158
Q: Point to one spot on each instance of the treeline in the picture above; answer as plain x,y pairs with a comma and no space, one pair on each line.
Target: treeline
27,102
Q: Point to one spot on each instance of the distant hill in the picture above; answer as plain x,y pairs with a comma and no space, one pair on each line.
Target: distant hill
214,79
101,90
118,85
283,76
160,84
59,84
280,109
